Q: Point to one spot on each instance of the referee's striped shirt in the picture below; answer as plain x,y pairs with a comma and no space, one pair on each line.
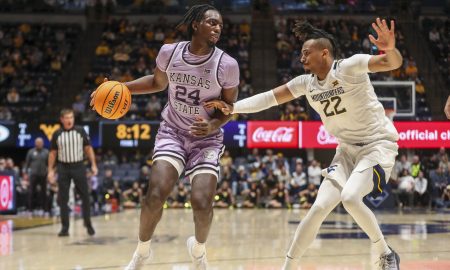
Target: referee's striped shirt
70,144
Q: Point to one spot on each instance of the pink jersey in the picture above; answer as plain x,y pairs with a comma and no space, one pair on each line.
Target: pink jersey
193,80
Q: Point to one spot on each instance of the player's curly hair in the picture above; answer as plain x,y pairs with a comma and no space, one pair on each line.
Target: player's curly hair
195,13
304,31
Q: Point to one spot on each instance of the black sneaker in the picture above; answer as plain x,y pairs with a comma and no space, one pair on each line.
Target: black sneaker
90,230
63,233
390,261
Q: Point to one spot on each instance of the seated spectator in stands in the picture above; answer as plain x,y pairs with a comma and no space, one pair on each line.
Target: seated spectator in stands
132,197
444,200
416,166
279,196
314,173
226,159
421,196
269,182
226,174
299,181
444,163
103,49
153,107
110,159
283,174
114,193
406,189
433,35
56,64
79,106
439,179
252,196
240,182
5,113
108,182
13,96
181,196
308,196
402,164
411,69
224,196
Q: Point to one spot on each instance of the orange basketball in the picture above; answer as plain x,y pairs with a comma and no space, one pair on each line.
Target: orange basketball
112,100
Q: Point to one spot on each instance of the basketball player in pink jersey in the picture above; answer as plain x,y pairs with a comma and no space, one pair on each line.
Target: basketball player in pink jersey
189,137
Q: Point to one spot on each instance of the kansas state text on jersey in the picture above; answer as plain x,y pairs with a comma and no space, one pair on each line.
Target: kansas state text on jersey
193,80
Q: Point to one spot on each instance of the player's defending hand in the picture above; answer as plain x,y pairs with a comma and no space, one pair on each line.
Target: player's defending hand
91,104
220,105
201,128
447,108
386,37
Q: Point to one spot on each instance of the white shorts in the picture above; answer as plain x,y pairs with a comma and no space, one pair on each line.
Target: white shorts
352,158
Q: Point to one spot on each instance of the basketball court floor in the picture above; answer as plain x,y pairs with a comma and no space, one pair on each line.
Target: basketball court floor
239,240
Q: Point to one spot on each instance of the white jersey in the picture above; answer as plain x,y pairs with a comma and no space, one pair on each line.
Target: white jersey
346,102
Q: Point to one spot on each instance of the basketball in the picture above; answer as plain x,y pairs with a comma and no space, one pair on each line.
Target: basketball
112,100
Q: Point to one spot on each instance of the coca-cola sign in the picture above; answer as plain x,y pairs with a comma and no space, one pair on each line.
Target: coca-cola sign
272,134
314,135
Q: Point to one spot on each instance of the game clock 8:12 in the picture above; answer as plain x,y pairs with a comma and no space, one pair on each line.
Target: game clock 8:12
128,134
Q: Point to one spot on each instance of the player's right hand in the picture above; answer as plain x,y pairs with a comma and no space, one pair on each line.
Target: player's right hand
220,105
91,104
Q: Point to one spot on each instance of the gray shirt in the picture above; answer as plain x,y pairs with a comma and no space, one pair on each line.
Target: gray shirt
36,161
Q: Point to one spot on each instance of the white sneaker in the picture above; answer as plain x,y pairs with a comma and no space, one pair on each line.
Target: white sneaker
137,261
200,263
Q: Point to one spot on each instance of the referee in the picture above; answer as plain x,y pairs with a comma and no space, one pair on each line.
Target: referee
68,146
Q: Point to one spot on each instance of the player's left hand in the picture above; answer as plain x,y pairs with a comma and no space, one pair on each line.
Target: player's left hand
386,37
201,128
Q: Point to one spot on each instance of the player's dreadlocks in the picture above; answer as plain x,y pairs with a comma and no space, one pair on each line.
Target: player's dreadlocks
195,13
304,31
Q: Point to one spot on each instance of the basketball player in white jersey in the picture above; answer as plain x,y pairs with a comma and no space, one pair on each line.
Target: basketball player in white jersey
189,138
341,92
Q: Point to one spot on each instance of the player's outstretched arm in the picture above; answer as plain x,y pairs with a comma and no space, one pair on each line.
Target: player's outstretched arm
255,103
392,59
149,84
144,85
447,108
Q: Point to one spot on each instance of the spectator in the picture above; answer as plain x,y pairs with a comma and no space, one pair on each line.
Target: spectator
308,196
5,113
132,197
240,183
444,200
181,196
252,196
299,181
13,96
421,196
153,107
36,170
416,166
280,196
224,198
314,173
402,164
406,189
226,159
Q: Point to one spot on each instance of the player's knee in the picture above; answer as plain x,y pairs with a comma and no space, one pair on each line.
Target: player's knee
153,198
200,203
350,199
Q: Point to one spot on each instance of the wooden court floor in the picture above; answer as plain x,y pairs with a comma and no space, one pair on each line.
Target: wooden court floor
239,240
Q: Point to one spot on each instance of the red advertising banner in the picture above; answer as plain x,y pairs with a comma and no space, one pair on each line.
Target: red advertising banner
6,192
411,135
314,135
272,134
423,134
